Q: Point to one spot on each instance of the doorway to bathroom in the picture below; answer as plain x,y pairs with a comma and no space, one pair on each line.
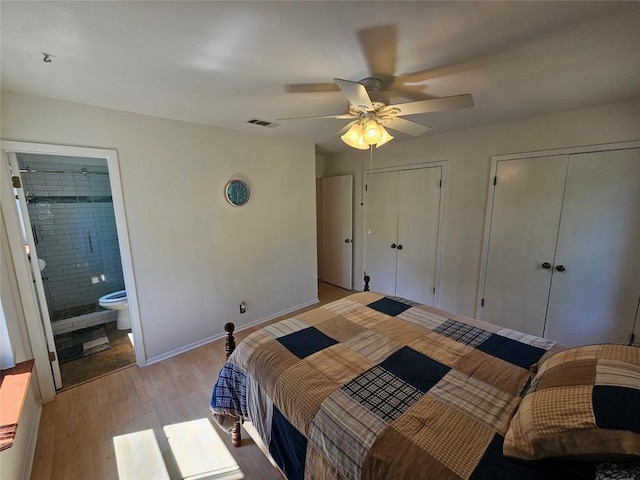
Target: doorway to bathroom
72,239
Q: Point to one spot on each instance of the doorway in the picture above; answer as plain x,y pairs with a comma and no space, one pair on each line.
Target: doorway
74,233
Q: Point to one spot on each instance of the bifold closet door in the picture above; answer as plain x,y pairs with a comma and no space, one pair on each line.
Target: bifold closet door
596,282
522,241
418,212
382,231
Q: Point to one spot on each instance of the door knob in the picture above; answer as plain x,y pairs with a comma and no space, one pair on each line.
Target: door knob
560,268
347,240
546,265
399,247
393,245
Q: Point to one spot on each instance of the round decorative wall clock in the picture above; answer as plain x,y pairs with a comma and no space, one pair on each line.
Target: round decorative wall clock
236,192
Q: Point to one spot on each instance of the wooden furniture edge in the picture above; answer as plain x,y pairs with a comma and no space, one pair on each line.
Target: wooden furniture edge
14,385
229,347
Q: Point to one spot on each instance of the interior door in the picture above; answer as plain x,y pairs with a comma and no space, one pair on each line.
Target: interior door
595,296
337,230
522,241
418,213
37,277
382,231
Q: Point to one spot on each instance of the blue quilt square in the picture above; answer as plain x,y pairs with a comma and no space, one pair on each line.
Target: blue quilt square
616,407
306,342
415,368
511,351
287,446
389,306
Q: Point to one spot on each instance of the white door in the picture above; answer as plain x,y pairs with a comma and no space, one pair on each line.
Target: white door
32,255
418,213
382,231
522,241
337,230
595,296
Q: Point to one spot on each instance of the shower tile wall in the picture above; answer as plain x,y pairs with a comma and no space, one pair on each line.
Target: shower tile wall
74,224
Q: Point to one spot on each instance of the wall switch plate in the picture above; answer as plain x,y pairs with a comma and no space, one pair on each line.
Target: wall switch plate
243,307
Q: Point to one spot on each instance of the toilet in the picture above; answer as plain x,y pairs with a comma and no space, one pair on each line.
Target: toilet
117,301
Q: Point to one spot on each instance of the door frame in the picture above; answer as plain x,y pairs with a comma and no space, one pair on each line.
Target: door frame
440,241
29,301
491,195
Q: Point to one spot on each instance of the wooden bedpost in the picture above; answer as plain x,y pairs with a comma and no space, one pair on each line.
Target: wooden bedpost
230,346
366,283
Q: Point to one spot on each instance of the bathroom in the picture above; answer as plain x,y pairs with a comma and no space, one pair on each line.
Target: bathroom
72,220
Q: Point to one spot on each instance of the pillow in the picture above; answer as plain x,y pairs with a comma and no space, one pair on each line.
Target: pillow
583,404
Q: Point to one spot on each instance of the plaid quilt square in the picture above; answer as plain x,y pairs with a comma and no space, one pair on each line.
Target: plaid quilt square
382,393
462,332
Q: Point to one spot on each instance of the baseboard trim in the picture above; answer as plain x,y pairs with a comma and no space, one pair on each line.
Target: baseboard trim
213,338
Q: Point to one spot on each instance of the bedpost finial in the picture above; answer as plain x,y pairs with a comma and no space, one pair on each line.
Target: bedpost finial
229,327
367,278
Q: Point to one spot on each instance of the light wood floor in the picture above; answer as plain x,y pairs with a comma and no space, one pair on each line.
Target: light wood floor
75,440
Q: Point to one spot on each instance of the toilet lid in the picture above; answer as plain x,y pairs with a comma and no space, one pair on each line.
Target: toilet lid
115,296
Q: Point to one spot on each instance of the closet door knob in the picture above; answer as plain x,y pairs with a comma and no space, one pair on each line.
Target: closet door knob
347,240
393,245
546,265
560,268
399,247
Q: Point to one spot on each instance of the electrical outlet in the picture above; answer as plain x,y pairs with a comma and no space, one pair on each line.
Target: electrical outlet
243,307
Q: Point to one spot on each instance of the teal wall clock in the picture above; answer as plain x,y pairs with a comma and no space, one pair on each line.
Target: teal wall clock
236,192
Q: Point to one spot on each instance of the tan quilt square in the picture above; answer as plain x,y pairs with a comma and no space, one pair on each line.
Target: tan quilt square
425,316
285,327
440,348
339,363
501,374
317,466
624,353
342,306
365,317
441,430
394,456
579,372
298,393
365,298
562,409
399,330
583,353
245,348
372,345
315,316
268,362
339,328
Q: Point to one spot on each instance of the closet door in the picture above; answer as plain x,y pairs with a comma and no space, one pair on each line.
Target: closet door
382,231
418,213
522,241
337,230
594,298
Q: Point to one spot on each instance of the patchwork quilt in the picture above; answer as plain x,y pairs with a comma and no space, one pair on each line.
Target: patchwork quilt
377,387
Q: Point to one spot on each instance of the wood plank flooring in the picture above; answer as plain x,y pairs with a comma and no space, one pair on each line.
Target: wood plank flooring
75,440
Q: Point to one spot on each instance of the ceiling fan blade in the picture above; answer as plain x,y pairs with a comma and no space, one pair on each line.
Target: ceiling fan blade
379,45
311,87
356,93
435,105
407,126
341,116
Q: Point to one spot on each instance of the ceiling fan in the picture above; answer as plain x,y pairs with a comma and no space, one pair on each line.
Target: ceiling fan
370,109
370,112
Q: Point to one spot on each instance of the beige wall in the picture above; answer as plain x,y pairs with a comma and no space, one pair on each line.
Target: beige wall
195,257
468,156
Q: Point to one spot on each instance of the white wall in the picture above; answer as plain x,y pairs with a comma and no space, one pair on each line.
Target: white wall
468,156
195,257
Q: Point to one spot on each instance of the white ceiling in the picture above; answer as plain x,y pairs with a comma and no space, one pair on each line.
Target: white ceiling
223,63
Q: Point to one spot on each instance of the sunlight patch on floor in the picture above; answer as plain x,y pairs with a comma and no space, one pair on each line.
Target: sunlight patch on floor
130,335
200,453
138,456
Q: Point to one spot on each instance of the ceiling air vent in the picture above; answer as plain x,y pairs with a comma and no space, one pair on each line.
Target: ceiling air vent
263,123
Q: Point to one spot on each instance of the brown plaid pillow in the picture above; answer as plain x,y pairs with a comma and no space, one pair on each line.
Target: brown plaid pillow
584,404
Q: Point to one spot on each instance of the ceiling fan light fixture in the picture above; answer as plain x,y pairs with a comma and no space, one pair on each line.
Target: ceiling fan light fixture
372,132
386,137
354,137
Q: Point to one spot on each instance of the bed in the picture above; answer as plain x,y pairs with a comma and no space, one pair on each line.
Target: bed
379,387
